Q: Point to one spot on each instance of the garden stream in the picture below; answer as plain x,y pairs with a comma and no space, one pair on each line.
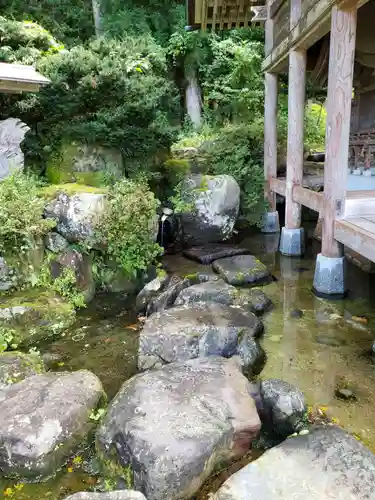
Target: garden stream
319,346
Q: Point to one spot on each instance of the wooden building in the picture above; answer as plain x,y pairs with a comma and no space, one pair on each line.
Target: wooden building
334,40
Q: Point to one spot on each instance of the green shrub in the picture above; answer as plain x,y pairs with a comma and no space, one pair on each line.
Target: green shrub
127,228
21,215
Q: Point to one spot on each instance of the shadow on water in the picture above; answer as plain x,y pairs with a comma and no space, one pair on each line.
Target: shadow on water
318,345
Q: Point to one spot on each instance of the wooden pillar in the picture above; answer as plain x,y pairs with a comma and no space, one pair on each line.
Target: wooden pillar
296,113
340,88
270,136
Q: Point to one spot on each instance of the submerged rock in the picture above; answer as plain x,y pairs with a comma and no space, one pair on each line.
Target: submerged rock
208,253
171,427
168,295
258,300
242,270
43,419
201,330
324,464
216,201
34,315
112,495
284,407
151,291
16,366
76,215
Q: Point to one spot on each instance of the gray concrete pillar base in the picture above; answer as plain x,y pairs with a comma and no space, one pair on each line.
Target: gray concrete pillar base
292,242
270,222
329,278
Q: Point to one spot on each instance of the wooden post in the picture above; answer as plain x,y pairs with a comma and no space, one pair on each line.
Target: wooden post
296,113
270,136
340,88
270,120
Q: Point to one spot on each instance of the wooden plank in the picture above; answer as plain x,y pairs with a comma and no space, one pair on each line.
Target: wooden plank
295,12
270,136
296,113
340,84
269,32
275,6
357,195
278,186
364,224
357,239
308,198
10,87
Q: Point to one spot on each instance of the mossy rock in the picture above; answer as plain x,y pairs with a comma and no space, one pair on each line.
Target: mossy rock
34,315
92,165
16,366
51,192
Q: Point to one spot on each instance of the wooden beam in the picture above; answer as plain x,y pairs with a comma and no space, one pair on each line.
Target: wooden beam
296,113
308,198
214,15
340,85
278,186
356,238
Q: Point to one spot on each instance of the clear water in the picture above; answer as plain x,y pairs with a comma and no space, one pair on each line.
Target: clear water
321,351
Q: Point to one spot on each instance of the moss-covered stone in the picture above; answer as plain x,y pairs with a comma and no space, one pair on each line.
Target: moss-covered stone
16,366
34,315
91,165
70,188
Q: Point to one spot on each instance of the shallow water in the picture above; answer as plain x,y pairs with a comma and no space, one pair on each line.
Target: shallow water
321,351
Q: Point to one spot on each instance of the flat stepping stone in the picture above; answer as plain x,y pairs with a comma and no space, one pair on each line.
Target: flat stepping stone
207,254
242,270
201,330
221,292
324,464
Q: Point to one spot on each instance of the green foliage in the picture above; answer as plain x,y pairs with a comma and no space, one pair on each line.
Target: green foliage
25,42
64,285
126,229
8,339
111,93
159,18
21,215
70,20
315,126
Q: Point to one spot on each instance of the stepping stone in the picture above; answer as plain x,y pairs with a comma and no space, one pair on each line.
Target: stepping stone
323,464
43,419
220,292
201,330
207,254
172,427
242,270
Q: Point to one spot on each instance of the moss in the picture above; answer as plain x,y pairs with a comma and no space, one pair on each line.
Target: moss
38,314
16,366
51,192
112,468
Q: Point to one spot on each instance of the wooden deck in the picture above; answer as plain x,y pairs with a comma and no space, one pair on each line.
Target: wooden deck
357,233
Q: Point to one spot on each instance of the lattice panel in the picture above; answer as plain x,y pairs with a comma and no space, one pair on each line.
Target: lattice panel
226,14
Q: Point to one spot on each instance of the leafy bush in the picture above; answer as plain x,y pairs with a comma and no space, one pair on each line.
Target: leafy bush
21,215
111,93
70,20
127,228
25,42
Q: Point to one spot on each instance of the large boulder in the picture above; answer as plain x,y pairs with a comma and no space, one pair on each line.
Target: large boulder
88,164
167,295
201,330
151,291
76,215
242,270
284,407
12,133
34,315
208,253
81,266
113,495
16,366
216,201
43,419
55,243
171,427
327,463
